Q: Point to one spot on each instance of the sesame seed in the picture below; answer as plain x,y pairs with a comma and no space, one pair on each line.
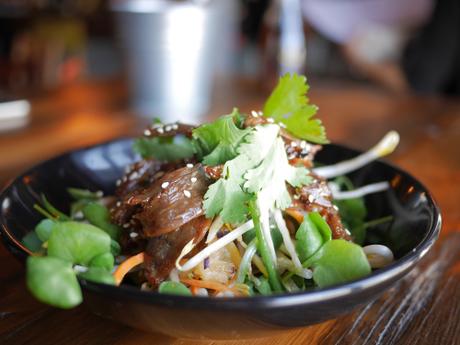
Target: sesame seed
282,125
160,130
165,185
99,194
254,113
168,128
311,198
125,179
296,197
133,234
270,120
348,232
189,165
293,144
134,176
118,204
126,225
175,126
260,112
147,132
193,179
187,193
118,182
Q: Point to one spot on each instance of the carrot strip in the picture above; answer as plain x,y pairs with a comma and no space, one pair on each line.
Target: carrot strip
238,290
295,213
126,266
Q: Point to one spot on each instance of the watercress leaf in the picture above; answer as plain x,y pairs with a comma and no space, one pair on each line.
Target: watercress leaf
99,216
288,104
115,247
321,225
308,239
77,242
174,288
164,148
53,281
339,262
105,261
32,242
44,229
220,139
98,275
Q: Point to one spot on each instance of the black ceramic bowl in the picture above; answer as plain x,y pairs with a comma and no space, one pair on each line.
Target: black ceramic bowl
413,231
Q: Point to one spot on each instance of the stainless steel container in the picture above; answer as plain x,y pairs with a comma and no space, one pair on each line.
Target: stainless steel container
169,48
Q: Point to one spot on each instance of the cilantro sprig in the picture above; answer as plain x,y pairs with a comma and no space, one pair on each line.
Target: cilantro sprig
288,104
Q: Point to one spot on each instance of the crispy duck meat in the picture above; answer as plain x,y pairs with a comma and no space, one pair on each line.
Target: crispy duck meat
162,251
169,202
318,197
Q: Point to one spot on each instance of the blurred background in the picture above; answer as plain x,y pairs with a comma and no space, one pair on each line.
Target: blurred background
402,45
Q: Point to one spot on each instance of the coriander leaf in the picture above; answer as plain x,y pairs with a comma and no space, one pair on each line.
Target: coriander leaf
32,242
226,196
53,281
288,104
99,216
164,148
219,140
269,178
339,262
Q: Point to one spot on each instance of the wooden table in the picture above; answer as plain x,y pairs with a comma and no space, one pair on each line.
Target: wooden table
424,308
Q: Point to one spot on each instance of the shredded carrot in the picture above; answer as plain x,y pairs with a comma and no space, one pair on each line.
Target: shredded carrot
295,213
217,287
126,266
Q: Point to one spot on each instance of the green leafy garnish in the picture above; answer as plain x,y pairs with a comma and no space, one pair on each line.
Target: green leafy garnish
164,148
259,168
77,242
339,261
53,281
99,216
174,288
98,275
220,139
309,239
289,105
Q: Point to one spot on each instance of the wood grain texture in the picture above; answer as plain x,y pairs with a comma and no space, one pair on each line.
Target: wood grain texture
423,308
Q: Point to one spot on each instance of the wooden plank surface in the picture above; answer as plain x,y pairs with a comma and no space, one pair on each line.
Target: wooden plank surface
424,308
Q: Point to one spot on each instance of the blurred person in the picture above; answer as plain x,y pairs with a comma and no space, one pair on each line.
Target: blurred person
402,44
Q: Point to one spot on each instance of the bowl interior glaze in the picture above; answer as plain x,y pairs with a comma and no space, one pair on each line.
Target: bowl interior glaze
410,235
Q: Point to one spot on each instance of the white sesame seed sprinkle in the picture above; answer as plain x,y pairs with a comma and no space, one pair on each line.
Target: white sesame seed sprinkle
160,130
187,193
254,113
175,126
311,198
165,185
193,179
126,225
293,144
282,125
133,234
118,204
189,165
118,182
270,120
133,176
168,128
296,197
147,132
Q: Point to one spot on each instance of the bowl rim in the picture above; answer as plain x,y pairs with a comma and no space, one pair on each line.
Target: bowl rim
376,278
